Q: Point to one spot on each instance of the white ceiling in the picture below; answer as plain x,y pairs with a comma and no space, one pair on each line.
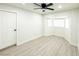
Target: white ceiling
31,6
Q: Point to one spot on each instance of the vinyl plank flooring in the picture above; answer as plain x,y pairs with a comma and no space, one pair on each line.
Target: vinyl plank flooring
43,46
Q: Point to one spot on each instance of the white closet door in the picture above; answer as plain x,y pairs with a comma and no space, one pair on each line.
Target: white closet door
8,32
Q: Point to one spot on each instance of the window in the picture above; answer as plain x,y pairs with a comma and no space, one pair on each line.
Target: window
59,22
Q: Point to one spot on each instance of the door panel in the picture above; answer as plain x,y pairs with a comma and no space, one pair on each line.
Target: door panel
8,26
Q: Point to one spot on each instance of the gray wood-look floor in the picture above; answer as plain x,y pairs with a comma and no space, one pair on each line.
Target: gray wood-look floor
44,46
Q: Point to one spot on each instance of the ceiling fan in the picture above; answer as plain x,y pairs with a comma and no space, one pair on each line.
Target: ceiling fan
44,6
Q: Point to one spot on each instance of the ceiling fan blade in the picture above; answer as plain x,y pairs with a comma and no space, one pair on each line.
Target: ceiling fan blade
50,8
37,4
49,4
37,8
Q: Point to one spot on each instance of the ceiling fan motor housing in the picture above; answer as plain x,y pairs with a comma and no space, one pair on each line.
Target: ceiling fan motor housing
43,5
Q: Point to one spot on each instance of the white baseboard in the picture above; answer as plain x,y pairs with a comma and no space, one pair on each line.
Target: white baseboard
72,44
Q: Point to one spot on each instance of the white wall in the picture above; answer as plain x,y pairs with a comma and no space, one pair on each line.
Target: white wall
29,24
69,34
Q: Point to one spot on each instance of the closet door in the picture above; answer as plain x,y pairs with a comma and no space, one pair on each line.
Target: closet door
8,29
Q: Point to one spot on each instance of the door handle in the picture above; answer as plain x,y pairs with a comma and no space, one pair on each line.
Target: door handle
14,29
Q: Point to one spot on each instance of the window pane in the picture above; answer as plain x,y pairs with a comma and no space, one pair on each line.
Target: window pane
59,23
